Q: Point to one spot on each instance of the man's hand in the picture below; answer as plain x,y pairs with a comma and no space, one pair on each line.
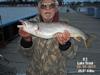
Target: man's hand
24,34
62,37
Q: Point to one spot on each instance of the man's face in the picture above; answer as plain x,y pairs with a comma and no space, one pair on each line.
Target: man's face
48,9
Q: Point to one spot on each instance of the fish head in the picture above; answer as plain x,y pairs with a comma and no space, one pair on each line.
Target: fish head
28,25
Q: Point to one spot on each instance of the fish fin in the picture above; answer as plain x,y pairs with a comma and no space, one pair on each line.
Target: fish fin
78,39
89,40
54,35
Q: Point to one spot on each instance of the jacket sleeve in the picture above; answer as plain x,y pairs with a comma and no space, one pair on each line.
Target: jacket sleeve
69,49
26,48
65,46
25,43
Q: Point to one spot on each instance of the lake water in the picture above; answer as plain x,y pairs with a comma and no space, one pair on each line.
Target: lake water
11,14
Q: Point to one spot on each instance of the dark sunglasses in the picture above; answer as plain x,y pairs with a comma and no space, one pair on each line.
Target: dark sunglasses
47,5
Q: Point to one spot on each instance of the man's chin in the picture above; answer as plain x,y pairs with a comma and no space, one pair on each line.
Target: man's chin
48,18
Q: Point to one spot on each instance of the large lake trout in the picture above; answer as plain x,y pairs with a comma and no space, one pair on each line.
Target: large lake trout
48,30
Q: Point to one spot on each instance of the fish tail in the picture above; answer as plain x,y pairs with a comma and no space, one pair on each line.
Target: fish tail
89,40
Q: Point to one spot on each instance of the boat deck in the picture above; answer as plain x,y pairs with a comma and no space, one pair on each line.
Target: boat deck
86,23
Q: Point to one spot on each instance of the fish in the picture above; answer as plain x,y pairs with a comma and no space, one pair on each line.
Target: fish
48,30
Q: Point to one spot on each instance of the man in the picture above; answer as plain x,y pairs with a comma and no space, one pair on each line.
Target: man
48,57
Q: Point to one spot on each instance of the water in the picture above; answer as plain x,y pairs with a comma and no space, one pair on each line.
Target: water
11,14
92,11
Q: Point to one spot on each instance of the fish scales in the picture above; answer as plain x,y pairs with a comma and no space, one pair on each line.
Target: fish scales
48,30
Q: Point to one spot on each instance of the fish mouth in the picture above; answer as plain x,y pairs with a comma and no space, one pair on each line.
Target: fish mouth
22,22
